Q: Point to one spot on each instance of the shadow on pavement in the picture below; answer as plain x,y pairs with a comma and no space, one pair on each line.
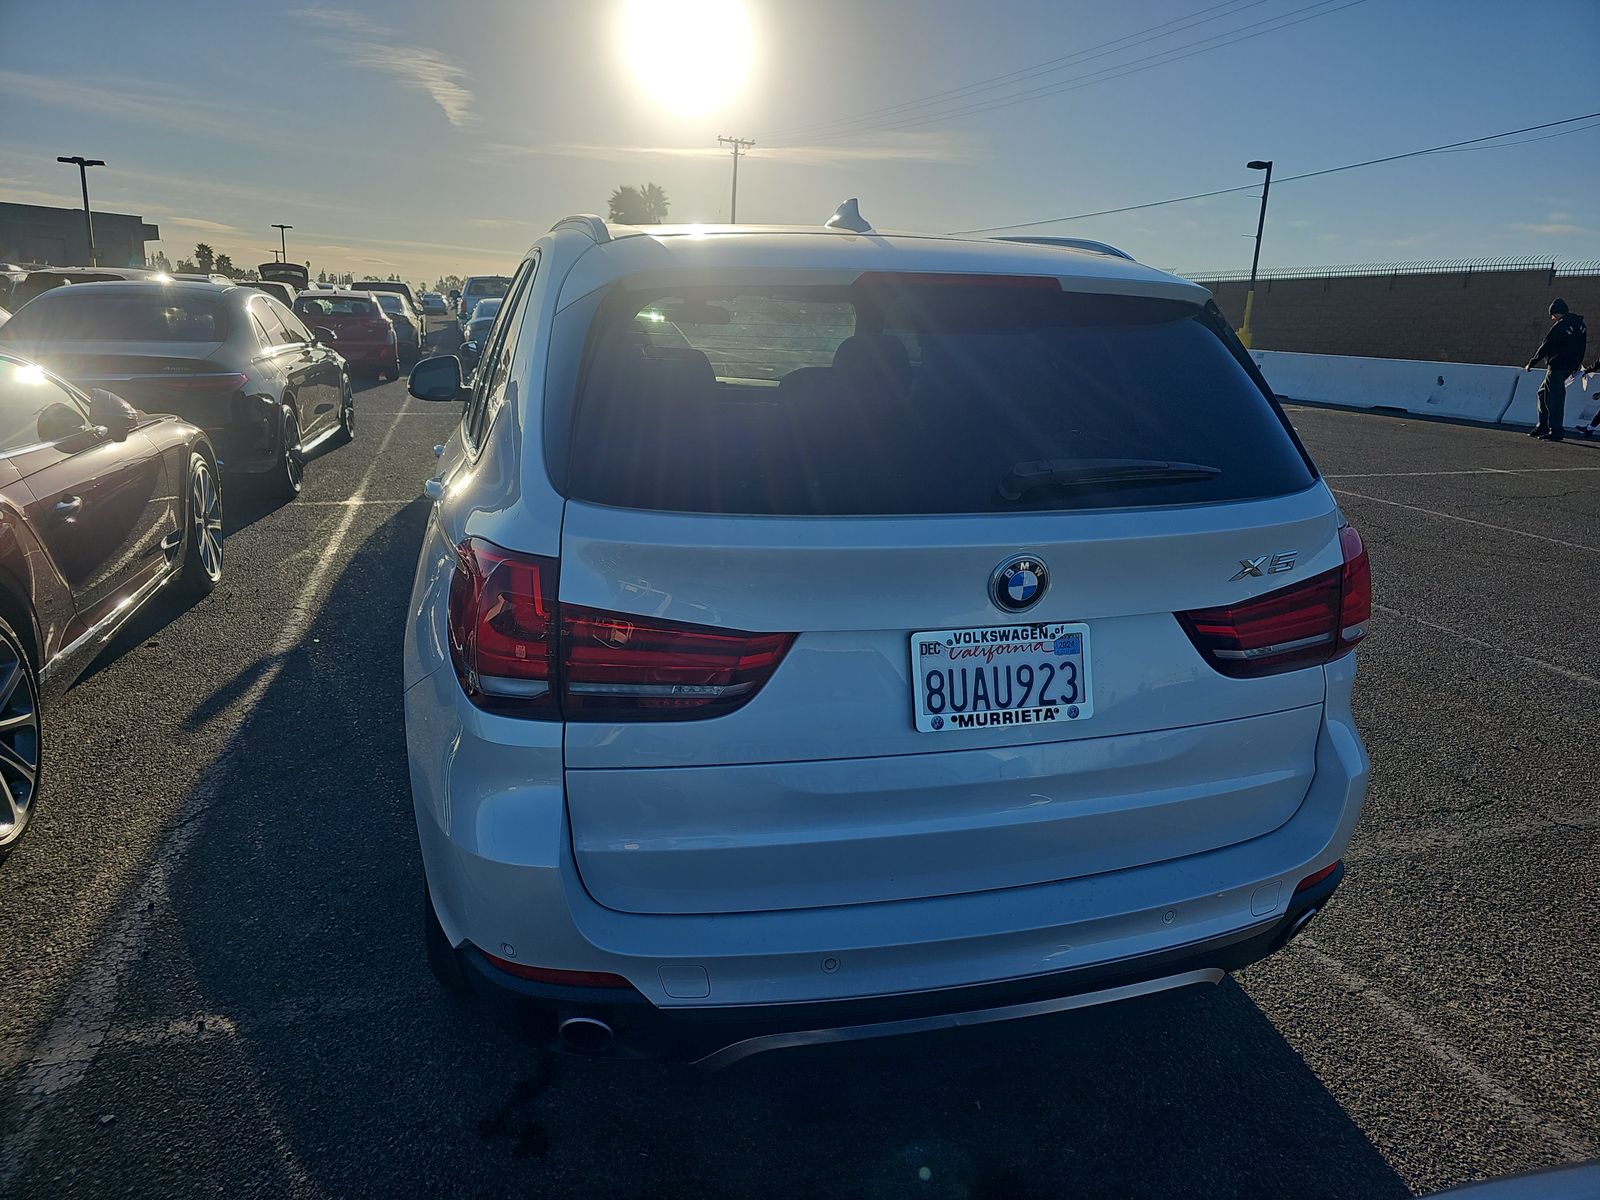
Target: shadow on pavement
345,1071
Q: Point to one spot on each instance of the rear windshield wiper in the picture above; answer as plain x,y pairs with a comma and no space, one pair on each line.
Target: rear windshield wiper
1027,477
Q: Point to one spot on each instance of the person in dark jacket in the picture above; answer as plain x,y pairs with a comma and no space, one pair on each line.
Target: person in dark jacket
1562,353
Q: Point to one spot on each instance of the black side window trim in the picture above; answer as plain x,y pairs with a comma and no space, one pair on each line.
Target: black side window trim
479,416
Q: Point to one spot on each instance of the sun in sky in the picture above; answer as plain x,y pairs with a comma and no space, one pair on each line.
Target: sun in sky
689,57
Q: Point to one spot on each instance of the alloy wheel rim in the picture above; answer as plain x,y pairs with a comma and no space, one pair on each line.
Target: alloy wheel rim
19,744
348,413
291,455
206,504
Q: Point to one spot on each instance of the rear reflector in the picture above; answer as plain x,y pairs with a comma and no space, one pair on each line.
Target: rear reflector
1311,881
579,979
517,650
1304,625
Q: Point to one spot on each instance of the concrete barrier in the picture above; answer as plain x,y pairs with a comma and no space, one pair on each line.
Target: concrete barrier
1583,398
1464,391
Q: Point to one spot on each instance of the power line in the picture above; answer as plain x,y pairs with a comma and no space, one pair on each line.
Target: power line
989,83
1132,67
1371,162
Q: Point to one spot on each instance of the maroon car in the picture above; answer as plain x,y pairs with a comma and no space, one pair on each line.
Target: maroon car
100,507
366,338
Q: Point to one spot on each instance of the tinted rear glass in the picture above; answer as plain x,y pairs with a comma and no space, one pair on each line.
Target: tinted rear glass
486,287
335,306
897,396
79,314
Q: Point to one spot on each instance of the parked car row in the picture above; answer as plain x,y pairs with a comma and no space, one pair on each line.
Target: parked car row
123,407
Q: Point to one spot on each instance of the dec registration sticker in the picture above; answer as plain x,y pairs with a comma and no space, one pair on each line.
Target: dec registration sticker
1000,675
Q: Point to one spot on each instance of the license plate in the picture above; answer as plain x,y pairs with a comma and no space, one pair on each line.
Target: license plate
1000,676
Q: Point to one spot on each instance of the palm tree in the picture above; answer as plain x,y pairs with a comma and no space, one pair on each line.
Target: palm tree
205,257
655,203
627,206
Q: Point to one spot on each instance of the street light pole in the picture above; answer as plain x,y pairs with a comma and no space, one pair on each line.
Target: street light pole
1255,260
83,165
283,240
739,145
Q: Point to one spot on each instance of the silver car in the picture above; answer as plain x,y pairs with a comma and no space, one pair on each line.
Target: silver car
820,636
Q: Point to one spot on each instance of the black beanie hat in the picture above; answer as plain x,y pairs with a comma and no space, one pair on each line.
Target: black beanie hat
1558,307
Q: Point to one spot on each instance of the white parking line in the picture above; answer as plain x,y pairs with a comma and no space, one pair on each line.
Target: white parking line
1446,1055
353,502
79,1031
1554,668
1465,471
1433,512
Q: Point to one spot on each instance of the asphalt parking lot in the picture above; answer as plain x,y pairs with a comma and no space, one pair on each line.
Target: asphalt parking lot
211,978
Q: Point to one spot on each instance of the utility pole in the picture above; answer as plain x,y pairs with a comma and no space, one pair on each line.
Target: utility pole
283,240
739,146
1255,261
83,165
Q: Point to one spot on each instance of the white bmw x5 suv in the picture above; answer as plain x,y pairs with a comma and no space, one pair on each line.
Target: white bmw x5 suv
823,634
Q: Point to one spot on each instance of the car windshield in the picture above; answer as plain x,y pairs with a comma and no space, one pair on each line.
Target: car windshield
485,310
335,306
899,398
79,313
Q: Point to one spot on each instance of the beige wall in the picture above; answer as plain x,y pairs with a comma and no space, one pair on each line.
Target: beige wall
1470,317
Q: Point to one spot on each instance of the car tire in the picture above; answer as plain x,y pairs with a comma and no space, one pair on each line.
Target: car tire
201,570
442,960
21,761
289,475
347,412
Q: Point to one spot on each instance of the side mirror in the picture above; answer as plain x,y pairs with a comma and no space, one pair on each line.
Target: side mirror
437,378
112,413
60,421
469,353
323,336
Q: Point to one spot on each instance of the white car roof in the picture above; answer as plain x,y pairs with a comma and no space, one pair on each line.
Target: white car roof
836,256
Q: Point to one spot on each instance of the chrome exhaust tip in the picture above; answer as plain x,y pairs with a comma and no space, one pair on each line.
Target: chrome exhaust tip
1300,923
587,1035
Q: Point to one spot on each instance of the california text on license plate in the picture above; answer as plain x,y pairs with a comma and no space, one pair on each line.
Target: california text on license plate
1000,675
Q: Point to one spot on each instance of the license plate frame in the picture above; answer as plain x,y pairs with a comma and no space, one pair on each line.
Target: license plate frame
997,654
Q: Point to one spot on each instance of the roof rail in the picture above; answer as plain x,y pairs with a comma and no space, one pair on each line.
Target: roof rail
1067,243
586,223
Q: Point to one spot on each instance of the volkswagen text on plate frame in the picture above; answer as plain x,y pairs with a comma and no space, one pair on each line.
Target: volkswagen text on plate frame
678,781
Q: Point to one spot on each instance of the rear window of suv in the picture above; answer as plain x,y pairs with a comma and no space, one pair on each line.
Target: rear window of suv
917,395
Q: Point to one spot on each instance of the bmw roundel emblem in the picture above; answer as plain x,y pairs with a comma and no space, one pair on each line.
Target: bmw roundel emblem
1019,583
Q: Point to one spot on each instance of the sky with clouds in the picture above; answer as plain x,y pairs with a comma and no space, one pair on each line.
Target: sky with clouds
427,138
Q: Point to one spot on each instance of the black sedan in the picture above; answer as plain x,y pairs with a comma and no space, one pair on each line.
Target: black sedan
232,360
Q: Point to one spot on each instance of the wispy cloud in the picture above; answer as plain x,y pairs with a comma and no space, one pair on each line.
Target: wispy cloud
909,147
203,225
1557,224
363,44
133,100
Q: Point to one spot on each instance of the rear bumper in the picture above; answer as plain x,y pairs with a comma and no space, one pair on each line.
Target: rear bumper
490,802
717,1036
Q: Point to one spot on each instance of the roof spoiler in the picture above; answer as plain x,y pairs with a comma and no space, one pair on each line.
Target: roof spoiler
586,223
1067,243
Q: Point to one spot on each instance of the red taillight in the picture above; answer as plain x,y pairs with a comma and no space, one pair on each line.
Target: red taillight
503,626
1356,589
1304,625
517,650
219,383
616,665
